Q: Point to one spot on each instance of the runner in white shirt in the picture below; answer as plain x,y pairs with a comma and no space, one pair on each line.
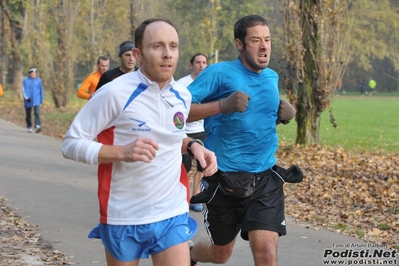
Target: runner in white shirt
143,207
198,62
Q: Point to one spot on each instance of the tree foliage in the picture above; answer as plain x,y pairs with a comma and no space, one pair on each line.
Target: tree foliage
321,38
64,39
14,12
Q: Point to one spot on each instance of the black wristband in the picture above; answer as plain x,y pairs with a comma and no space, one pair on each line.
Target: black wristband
188,148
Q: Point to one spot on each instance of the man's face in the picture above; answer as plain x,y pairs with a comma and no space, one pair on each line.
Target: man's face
199,64
103,65
32,74
128,61
159,53
256,55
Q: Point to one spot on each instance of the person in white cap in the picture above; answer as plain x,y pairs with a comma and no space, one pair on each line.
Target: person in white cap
32,91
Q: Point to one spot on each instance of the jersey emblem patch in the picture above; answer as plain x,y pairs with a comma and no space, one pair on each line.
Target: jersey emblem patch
178,120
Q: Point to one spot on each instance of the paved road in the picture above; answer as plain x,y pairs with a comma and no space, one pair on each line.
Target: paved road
60,196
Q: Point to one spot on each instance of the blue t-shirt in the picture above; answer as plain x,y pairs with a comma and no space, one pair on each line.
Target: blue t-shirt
242,142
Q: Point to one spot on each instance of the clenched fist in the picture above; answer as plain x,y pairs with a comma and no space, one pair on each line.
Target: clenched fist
285,112
236,102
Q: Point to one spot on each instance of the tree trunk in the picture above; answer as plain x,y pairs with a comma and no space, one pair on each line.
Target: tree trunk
15,20
135,7
17,74
317,44
308,119
61,74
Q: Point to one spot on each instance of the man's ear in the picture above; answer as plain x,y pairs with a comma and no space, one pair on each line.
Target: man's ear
137,54
239,45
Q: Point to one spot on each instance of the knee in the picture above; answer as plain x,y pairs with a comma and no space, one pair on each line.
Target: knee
221,257
267,255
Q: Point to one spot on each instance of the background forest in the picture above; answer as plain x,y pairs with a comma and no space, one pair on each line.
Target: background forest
316,44
63,38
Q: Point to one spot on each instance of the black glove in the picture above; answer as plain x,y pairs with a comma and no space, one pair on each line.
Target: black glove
28,100
285,112
236,102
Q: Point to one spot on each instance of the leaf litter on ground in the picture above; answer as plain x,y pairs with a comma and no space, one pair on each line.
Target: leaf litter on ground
356,194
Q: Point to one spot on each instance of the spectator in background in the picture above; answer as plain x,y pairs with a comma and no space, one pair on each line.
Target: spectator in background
195,130
362,87
128,64
89,85
1,90
32,91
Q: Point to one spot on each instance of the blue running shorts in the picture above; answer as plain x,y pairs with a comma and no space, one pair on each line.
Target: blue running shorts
131,242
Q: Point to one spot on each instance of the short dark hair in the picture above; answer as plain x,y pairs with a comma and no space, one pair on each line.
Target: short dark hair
241,26
197,54
103,57
139,32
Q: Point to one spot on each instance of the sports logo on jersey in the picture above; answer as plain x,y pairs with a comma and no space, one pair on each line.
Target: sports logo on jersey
178,120
140,125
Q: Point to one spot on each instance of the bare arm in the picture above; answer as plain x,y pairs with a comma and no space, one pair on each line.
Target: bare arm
204,110
285,112
205,157
140,150
236,102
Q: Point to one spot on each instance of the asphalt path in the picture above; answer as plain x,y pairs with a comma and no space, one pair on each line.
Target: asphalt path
60,196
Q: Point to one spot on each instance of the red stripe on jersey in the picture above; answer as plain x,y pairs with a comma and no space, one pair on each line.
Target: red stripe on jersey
184,180
104,175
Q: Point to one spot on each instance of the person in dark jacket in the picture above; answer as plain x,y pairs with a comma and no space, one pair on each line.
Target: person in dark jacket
128,64
32,90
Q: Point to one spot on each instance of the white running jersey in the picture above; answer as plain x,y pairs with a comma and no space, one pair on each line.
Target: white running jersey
128,107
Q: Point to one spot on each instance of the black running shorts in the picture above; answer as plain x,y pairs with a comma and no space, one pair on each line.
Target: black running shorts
225,216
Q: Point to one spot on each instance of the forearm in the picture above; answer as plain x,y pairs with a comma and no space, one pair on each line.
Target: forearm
110,153
81,150
81,93
285,112
91,152
201,111
185,143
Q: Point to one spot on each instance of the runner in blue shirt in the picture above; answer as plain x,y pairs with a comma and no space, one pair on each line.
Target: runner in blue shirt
239,101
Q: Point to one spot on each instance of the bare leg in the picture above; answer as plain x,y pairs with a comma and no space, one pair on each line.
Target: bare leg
205,251
177,255
196,184
111,261
264,247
